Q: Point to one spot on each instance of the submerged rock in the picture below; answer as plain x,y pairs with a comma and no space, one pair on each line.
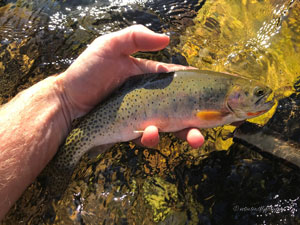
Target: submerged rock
281,135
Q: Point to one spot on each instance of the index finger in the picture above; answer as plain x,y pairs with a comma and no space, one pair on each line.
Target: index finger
136,38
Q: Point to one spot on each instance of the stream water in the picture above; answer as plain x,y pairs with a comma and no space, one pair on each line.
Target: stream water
224,182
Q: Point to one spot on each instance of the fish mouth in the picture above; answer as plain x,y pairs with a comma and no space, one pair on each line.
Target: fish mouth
268,103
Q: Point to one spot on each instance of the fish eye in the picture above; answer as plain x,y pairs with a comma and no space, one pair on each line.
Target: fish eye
258,92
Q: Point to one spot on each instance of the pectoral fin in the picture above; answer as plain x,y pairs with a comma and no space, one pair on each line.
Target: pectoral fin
138,131
211,115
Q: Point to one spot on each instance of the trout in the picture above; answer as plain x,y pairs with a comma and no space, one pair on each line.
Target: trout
171,101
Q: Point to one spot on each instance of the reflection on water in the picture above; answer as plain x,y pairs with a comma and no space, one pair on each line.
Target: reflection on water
175,184
258,39
40,38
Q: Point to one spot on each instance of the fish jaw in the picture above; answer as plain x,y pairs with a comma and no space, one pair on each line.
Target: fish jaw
263,108
242,115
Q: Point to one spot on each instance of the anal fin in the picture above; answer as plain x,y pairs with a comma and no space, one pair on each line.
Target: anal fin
95,151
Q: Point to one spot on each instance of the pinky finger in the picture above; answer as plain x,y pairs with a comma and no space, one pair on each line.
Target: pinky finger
193,136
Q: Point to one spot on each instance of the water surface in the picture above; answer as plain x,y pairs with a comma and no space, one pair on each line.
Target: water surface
220,183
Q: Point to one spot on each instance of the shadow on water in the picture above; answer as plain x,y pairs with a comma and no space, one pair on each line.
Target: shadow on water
229,180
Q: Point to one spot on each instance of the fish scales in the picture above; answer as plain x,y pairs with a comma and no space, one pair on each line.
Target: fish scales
171,101
142,100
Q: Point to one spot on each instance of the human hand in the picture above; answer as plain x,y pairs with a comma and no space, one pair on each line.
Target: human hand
106,64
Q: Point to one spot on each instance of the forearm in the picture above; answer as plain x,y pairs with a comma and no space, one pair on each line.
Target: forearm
31,127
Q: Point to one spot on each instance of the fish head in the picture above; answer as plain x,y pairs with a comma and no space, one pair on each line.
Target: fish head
249,99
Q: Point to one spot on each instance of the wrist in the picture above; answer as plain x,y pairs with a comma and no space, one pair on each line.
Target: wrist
66,109
44,102
74,98
60,111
